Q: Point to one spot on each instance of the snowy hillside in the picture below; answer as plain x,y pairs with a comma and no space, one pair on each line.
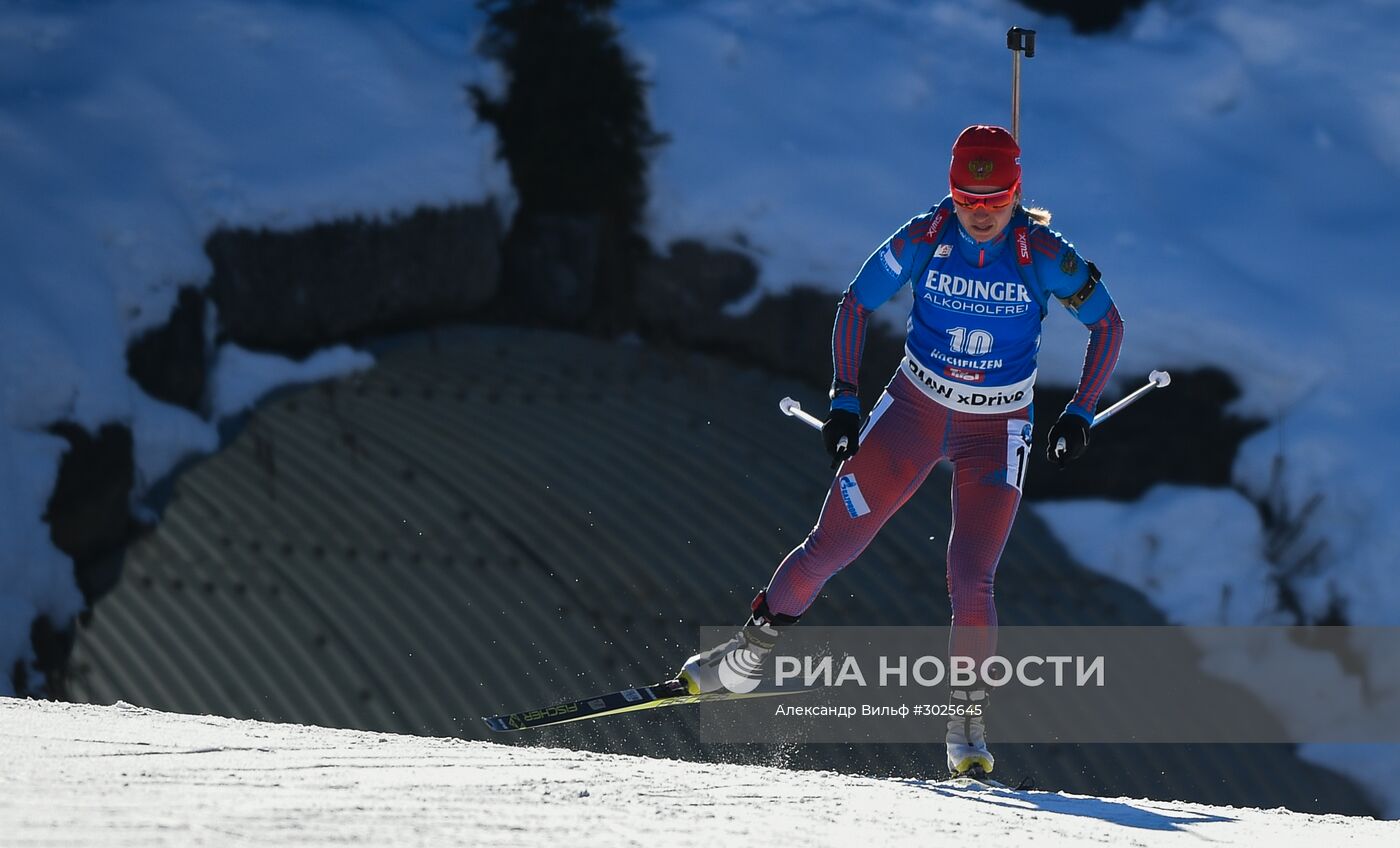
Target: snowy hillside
121,775
1230,165
128,132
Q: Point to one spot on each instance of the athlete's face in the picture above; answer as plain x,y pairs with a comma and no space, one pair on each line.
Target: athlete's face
984,222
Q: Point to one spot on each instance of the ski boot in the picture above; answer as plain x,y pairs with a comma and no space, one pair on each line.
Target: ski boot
735,666
967,735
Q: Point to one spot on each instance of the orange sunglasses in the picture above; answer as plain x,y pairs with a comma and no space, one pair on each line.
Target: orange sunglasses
996,200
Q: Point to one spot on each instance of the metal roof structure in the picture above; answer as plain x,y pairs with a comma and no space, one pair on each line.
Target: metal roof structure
495,518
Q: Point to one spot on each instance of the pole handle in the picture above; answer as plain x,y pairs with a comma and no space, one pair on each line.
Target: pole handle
1021,41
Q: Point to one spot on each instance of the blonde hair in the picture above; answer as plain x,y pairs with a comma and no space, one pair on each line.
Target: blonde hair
1038,215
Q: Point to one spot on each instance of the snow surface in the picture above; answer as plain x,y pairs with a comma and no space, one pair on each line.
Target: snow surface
240,377
123,775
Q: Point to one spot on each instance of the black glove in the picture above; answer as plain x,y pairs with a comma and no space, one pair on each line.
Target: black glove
841,424
1074,430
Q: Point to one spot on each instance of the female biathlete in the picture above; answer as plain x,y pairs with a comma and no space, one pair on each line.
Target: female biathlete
983,270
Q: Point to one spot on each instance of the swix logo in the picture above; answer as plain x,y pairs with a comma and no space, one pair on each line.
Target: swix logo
929,234
936,225
1023,246
964,375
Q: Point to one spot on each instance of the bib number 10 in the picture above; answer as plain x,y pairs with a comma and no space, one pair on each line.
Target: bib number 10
974,343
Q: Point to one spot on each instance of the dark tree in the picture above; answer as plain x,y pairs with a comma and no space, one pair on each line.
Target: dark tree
573,129
1087,16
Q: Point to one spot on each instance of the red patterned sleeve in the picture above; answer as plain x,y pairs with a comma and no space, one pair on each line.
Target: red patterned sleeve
847,345
1105,341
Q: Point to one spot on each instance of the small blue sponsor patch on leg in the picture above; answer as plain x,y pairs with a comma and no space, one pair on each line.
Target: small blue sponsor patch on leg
850,493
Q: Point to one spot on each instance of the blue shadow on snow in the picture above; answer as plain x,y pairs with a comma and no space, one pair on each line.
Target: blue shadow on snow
1115,812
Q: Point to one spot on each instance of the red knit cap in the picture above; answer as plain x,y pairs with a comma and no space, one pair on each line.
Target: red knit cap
985,155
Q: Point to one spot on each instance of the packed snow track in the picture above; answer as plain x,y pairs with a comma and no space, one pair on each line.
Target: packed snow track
122,775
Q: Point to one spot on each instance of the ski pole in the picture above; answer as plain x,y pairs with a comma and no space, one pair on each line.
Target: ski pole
794,409
1155,380
1018,41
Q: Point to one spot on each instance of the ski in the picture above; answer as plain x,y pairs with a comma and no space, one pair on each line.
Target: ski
669,694
976,778
964,781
